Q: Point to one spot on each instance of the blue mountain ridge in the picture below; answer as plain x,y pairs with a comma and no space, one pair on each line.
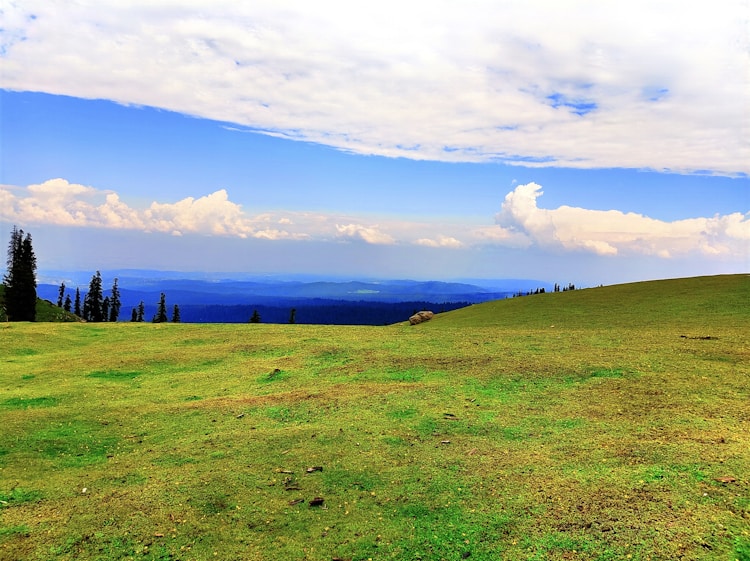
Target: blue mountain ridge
317,300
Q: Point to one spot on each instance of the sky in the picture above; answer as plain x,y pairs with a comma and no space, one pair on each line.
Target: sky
584,141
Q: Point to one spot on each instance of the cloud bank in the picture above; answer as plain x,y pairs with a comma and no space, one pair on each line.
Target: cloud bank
613,232
661,85
520,223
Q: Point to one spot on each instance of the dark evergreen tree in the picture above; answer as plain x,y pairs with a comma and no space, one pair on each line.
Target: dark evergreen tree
161,310
292,315
134,315
92,303
255,318
114,303
141,312
20,279
176,314
105,308
67,304
61,295
77,304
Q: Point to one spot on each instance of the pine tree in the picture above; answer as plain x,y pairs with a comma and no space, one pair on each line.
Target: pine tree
105,308
255,318
67,304
61,295
20,280
77,305
141,312
161,311
92,303
176,314
292,314
114,303
134,315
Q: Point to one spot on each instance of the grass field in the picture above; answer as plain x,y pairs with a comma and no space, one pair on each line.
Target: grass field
603,424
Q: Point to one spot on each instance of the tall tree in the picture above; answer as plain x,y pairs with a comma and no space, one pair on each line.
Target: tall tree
61,295
134,315
293,316
20,279
92,303
161,310
105,308
77,304
141,312
176,314
114,303
68,303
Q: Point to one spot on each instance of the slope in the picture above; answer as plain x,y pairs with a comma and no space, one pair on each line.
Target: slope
696,304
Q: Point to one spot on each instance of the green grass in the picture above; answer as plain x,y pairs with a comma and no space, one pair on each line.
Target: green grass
484,434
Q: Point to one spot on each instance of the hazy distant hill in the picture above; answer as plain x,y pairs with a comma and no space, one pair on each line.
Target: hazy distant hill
215,298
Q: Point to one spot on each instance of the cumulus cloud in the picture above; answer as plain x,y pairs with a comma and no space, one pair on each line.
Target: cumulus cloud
613,232
581,84
67,204
520,224
214,214
369,234
441,241
61,203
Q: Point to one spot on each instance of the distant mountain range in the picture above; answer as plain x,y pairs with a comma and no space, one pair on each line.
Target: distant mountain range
231,298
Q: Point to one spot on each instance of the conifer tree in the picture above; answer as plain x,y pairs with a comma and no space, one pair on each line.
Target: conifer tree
161,311
61,295
141,312
77,304
176,314
105,308
255,318
20,279
114,303
134,315
92,303
292,316
68,303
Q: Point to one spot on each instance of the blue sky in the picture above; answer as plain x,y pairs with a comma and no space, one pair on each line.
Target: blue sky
382,140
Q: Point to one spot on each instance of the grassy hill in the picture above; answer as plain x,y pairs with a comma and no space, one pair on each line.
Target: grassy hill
45,310
690,303
620,433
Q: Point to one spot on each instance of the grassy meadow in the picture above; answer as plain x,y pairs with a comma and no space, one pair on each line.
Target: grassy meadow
600,424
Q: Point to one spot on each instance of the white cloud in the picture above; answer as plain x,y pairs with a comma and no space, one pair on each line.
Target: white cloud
58,202
613,232
371,234
67,204
519,224
214,214
441,241
61,203
660,85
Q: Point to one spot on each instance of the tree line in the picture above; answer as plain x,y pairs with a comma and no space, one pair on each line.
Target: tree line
542,290
95,307
20,291
138,313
